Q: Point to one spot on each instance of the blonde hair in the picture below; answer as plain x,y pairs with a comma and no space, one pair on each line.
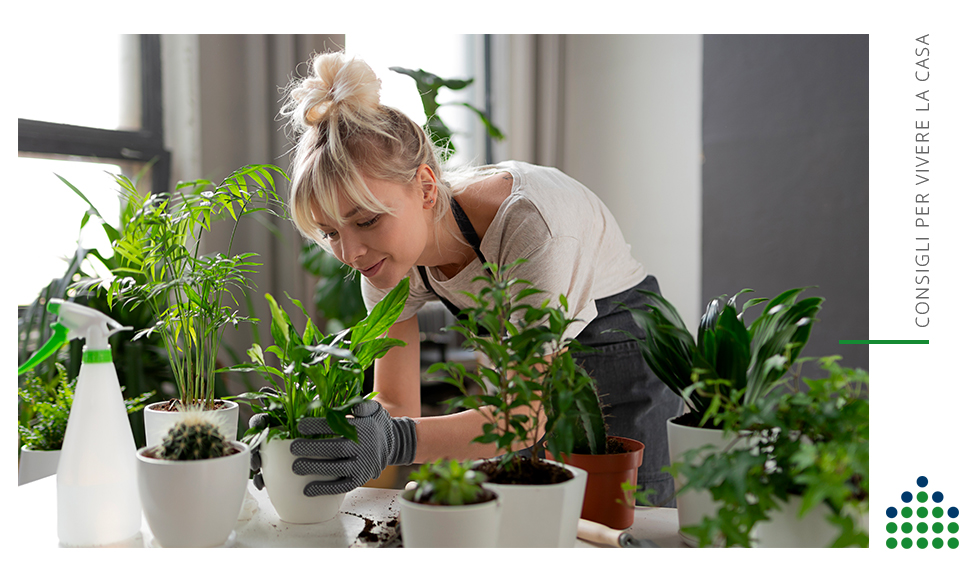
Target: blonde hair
346,134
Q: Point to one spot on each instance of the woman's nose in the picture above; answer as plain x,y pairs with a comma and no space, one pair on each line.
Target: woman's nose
351,249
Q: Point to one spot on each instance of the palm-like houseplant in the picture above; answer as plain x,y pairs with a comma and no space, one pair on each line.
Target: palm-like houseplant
190,293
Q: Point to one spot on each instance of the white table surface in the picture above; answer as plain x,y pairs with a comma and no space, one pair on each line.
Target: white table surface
364,510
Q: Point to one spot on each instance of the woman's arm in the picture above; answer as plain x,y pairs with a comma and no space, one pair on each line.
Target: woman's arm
396,375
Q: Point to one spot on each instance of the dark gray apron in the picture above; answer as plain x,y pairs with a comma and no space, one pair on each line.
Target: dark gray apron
637,403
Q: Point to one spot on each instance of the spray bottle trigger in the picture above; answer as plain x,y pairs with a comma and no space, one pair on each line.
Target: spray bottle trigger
58,338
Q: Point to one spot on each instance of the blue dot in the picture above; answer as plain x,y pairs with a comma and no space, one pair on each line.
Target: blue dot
922,481
892,512
953,512
937,496
906,496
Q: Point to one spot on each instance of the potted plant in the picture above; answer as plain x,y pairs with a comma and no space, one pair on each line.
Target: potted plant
449,507
808,484
192,484
727,358
529,364
42,425
321,377
190,293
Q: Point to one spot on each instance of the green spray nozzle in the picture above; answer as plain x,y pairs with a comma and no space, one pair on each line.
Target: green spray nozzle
74,321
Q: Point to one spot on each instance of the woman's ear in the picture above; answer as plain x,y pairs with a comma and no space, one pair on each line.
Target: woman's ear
428,185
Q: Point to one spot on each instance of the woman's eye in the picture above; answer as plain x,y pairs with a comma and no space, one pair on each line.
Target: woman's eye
330,235
369,223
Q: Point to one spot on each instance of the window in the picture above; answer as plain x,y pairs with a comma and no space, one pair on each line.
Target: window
94,107
447,56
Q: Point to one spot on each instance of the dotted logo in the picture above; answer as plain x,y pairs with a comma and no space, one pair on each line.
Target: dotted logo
935,527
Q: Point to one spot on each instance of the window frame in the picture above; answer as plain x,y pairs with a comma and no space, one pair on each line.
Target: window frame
143,145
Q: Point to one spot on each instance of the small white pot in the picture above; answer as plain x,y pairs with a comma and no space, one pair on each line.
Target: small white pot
694,505
541,515
36,464
287,489
425,526
193,503
785,530
158,423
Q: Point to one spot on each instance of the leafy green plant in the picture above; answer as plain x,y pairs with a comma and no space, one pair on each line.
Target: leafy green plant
428,85
449,483
161,266
728,355
530,373
320,375
48,405
812,443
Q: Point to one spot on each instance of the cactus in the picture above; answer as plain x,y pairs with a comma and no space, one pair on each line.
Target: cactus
193,438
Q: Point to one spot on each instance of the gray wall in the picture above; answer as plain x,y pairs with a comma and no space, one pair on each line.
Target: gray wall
785,176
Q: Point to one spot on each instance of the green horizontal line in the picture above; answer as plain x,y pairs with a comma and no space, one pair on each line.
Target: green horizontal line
884,341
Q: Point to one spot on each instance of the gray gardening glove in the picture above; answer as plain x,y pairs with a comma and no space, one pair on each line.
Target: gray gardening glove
259,421
383,441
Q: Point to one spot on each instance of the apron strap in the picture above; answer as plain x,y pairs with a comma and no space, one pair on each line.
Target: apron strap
471,236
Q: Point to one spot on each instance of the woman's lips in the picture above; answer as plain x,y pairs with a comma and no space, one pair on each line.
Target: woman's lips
371,271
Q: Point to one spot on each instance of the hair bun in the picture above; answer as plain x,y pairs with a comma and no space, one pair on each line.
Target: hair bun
336,82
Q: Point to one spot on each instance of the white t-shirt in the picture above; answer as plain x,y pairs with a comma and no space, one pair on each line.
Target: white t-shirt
572,244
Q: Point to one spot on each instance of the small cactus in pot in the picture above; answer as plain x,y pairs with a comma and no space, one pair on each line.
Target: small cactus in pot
194,437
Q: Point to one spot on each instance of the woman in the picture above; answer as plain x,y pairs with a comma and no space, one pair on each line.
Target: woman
367,184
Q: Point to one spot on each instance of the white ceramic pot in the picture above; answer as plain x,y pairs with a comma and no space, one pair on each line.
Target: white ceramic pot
425,526
193,503
287,489
158,423
543,515
694,505
785,530
36,464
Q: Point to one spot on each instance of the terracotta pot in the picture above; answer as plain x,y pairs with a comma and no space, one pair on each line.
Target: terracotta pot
159,422
604,501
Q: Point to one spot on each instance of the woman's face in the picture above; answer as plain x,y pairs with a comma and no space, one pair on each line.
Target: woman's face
383,247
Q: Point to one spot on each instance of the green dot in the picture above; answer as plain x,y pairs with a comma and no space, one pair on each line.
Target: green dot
953,543
922,543
906,542
937,512
953,527
891,542
922,527
922,496
906,512
937,543
937,528
891,528
906,527
922,512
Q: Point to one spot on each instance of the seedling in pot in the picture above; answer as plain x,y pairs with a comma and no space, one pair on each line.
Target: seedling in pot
449,483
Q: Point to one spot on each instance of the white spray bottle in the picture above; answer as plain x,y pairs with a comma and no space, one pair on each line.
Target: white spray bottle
98,497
